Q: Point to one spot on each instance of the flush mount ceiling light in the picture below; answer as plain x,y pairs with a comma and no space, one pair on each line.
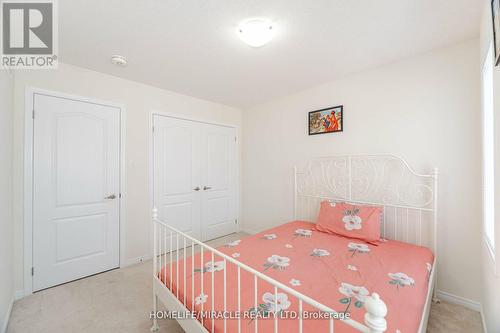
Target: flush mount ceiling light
256,32
119,60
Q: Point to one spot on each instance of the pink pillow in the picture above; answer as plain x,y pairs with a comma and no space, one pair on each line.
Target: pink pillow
354,221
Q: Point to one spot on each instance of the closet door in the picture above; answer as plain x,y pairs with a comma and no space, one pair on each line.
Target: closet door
218,176
177,173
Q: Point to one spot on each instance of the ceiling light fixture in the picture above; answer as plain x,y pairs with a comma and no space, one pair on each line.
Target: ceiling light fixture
256,32
119,60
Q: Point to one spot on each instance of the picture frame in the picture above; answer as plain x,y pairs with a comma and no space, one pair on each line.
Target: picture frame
495,16
328,120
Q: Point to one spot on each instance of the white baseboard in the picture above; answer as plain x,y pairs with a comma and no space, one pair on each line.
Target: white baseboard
469,304
485,329
5,322
249,231
465,302
19,294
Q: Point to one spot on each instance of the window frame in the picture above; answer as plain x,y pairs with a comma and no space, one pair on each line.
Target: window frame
488,143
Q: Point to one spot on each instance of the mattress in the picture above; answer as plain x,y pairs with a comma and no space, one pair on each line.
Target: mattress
336,271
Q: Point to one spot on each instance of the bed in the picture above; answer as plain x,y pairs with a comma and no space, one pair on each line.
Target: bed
294,278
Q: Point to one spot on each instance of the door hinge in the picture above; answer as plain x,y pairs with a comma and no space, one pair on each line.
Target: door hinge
235,221
33,114
32,271
153,129
120,195
235,139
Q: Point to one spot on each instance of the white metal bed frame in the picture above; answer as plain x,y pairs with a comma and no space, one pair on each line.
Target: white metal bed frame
409,202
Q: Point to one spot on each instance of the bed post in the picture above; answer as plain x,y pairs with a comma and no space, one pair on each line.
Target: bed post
295,193
154,216
435,218
376,310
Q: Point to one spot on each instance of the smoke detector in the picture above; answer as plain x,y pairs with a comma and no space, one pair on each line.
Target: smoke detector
119,60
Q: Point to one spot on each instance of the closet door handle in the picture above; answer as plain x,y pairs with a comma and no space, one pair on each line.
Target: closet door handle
197,188
207,188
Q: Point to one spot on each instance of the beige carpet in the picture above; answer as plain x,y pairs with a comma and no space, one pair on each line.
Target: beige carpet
120,301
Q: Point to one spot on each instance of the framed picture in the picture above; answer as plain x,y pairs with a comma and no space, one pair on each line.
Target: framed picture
495,12
327,120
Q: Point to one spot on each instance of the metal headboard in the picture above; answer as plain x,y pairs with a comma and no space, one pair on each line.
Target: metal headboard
409,199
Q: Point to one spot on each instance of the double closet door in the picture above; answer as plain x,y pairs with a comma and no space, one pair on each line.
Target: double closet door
195,176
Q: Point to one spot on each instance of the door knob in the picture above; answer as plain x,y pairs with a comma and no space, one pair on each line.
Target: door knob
197,188
206,188
111,197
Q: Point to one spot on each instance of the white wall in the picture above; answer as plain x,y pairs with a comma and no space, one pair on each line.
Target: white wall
139,100
6,222
425,109
490,281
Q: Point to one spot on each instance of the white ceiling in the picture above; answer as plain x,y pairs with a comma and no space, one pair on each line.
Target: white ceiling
191,46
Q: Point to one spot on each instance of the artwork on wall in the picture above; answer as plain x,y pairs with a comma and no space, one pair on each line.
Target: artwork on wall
327,120
495,11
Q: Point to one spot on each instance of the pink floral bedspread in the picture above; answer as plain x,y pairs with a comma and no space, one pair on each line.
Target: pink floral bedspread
336,271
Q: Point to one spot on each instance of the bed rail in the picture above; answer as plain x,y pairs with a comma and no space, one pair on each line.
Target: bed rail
164,246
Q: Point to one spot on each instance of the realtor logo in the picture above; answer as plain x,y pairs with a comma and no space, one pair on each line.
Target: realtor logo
29,34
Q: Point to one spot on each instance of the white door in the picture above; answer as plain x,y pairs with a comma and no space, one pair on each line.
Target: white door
195,176
218,181
177,173
76,173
